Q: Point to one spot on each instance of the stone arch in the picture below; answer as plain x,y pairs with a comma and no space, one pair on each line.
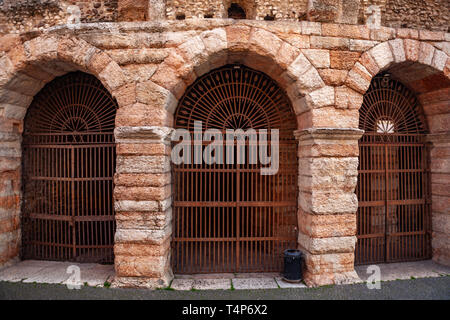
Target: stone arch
313,102
26,66
398,56
254,47
425,70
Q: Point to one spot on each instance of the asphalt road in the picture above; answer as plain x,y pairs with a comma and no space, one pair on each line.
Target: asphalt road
415,289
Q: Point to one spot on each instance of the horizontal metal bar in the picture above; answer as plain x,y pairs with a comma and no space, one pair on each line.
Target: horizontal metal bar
234,239
56,217
88,179
92,145
269,204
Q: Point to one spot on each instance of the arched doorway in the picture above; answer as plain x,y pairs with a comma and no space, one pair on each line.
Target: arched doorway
394,212
230,217
68,168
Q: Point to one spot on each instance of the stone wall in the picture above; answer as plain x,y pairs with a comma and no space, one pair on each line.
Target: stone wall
255,9
31,15
418,14
324,68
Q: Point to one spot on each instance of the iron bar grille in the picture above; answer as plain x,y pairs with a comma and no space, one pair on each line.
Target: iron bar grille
229,217
394,212
68,168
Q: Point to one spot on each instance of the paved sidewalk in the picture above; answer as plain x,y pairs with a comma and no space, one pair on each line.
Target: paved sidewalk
96,275
55,272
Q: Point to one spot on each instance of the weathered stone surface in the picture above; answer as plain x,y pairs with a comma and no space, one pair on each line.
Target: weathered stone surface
143,220
132,10
337,175
359,78
142,282
333,77
348,98
412,49
328,117
215,40
382,34
238,37
286,55
426,53
329,226
382,55
330,43
398,50
142,179
343,59
150,93
318,57
309,81
143,164
298,67
150,133
328,148
327,245
77,52
137,56
346,30
439,60
141,249
143,115
321,98
148,237
125,95
369,63
431,35
407,33
143,149
138,266
336,268
142,193
42,49
168,78
322,202
361,45
112,76
264,42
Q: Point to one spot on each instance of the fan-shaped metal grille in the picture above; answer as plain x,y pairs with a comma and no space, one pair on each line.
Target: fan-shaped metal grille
389,107
236,97
68,168
74,107
229,217
394,199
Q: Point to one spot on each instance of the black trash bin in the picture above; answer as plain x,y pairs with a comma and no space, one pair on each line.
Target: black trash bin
292,265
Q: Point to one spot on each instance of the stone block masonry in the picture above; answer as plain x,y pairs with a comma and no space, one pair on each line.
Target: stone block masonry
324,68
31,15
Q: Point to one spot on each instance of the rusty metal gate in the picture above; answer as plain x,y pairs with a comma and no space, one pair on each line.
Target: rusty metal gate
229,217
68,168
394,213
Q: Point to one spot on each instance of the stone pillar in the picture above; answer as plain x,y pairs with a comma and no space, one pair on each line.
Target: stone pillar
328,164
143,207
440,196
10,184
